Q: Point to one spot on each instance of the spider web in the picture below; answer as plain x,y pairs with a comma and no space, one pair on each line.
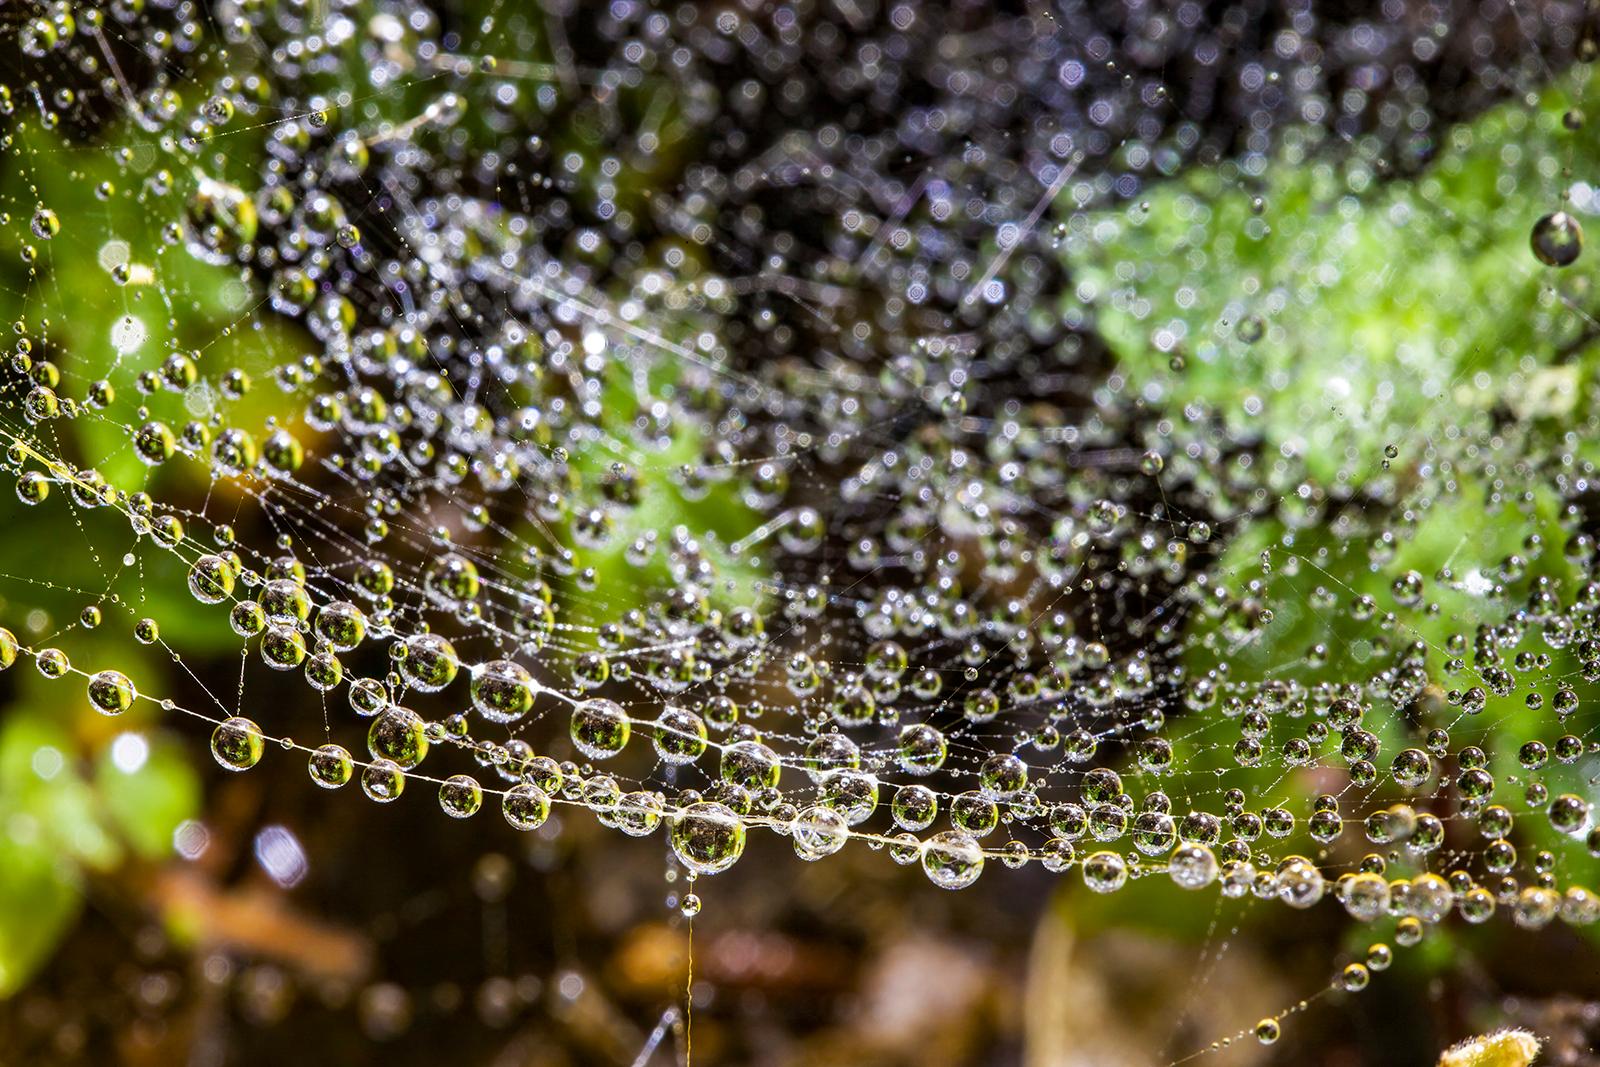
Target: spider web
969,433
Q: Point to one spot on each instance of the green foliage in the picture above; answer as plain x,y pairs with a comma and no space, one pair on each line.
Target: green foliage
1396,309
72,811
1403,311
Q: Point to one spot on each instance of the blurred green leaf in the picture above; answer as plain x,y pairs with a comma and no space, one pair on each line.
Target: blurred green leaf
66,815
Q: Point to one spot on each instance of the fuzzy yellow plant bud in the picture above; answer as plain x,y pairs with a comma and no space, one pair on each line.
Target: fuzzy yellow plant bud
1503,1048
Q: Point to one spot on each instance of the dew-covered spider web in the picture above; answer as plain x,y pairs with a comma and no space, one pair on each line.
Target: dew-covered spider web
1079,442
